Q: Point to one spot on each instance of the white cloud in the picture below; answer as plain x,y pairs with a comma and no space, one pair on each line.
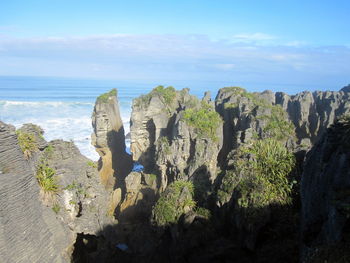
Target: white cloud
226,67
255,37
174,57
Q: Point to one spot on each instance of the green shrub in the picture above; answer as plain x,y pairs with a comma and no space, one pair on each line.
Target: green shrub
166,94
104,97
268,170
56,208
27,143
92,164
173,202
205,121
47,179
203,212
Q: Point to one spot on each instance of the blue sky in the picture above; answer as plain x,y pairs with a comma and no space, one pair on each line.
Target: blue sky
289,45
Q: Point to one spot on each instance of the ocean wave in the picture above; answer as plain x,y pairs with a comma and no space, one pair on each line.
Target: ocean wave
42,103
60,120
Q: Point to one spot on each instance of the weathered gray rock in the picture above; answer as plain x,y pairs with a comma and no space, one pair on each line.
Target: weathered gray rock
83,200
165,144
29,232
325,189
313,113
109,141
310,113
38,133
250,116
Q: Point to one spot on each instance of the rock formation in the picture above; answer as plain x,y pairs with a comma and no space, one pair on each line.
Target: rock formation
171,139
29,231
325,196
250,116
209,189
109,140
313,113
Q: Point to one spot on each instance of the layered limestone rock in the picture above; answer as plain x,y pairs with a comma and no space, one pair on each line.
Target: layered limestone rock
313,113
310,113
325,192
29,231
175,135
48,199
82,199
248,117
109,140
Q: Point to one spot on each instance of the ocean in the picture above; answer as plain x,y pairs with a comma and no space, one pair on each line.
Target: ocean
63,107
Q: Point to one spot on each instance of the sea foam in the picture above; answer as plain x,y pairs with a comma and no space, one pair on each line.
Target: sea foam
60,120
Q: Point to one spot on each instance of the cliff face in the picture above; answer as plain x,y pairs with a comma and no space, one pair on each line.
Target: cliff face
29,232
248,117
175,136
312,113
325,189
109,140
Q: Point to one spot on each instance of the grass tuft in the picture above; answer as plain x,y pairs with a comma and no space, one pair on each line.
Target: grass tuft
27,143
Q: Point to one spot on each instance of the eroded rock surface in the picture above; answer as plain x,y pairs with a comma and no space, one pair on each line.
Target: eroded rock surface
166,143
109,140
29,231
325,192
313,113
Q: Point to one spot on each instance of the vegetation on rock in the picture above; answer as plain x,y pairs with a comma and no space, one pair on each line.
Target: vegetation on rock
92,164
167,94
56,208
205,121
103,98
176,200
48,182
27,143
276,120
203,212
260,175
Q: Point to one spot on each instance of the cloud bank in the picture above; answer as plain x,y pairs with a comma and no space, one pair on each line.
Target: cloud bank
245,59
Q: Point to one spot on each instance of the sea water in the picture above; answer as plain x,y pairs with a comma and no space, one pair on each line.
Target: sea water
63,107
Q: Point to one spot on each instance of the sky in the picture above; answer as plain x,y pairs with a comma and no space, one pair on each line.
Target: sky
277,45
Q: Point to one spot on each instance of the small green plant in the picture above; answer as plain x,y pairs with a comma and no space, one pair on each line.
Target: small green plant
47,179
92,164
173,202
27,143
72,202
77,187
205,121
49,151
105,96
56,208
71,186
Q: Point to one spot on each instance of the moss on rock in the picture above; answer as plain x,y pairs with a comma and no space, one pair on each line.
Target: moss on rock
103,98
